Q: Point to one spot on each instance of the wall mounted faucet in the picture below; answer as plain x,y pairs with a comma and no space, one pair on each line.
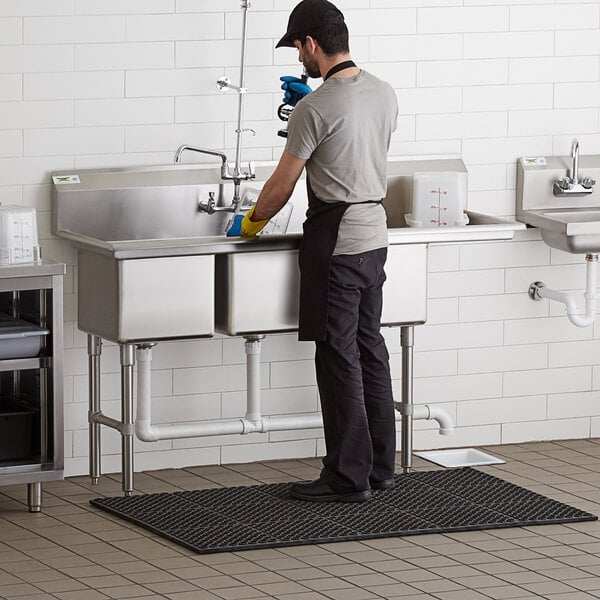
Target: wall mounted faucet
210,206
572,185
223,84
224,163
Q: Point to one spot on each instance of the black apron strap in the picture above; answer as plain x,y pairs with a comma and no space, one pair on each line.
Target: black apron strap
339,67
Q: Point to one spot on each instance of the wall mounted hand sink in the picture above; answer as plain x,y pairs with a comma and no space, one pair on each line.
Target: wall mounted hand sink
576,231
570,223
578,220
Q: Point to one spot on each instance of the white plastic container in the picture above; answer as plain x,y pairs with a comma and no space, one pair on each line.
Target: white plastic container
18,235
439,199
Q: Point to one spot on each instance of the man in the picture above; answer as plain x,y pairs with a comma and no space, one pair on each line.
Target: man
341,134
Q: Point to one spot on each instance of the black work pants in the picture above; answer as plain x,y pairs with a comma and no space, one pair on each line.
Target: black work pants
353,376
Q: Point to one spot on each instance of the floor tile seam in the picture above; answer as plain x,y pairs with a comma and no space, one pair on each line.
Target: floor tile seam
492,552
243,583
473,567
117,548
574,494
280,471
525,486
578,451
521,585
368,588
291,478
145,584
44,560
308,565
562,579
98,589
24,580
508,582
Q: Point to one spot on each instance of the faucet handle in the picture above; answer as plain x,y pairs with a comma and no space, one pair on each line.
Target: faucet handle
588,182
208,207
252,170
564,183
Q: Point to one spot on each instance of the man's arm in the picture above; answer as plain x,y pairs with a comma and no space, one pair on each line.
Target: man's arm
279,187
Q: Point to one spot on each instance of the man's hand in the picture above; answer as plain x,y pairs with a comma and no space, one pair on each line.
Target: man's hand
295,89
244,227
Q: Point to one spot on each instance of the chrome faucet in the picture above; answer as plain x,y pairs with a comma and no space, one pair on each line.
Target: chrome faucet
210,206
572,185
575,157
224,164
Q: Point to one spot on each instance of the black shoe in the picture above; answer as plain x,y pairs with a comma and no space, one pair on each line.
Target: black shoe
319,491
383,484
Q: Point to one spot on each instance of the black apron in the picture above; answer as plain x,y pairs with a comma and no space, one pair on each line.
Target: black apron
316,249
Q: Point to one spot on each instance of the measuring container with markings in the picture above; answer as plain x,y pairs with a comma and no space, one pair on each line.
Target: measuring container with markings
439,199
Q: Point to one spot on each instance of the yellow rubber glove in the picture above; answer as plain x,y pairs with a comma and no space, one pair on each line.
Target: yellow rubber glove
251,228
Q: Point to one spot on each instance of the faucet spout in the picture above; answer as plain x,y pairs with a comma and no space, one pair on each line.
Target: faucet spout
575,168
224,164
572,185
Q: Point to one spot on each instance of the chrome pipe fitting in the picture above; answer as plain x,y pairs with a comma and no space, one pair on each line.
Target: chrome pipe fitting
534,290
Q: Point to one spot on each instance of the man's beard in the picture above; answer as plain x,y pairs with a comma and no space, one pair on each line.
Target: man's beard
312,67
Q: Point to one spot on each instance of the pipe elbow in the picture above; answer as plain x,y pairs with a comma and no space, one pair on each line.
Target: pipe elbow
579,321
443,419
145,432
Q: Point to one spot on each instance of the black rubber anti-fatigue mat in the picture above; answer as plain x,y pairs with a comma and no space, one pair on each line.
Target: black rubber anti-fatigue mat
264,516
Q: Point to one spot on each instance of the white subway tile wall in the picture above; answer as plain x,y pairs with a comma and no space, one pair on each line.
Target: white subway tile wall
99,83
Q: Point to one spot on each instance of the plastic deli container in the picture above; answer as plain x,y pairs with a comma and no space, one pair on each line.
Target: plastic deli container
18,235
439,199
19,339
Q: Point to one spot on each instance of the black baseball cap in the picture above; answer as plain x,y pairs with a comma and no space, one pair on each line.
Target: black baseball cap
309,16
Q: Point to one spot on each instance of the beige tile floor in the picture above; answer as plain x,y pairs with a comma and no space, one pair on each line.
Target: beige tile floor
72,551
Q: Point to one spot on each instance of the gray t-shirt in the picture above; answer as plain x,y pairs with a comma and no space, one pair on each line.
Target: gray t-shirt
343,129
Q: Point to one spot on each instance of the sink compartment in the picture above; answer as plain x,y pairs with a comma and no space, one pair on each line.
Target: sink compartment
258,292
145,299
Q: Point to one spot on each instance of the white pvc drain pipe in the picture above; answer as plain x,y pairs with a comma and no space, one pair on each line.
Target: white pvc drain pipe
537,291
253,421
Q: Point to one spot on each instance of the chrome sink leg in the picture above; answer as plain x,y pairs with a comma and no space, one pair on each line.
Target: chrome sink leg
94,348
407,343
127,362
34,496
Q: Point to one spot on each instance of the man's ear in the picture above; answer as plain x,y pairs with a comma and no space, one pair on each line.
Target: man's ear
311,43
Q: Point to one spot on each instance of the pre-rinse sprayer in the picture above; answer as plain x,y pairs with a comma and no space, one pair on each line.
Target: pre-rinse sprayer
223,84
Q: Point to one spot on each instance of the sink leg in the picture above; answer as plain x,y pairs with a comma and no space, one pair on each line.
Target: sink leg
34,496
127,362
94,352
407,343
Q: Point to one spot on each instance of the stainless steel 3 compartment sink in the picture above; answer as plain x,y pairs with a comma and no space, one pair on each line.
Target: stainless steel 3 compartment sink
152,267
